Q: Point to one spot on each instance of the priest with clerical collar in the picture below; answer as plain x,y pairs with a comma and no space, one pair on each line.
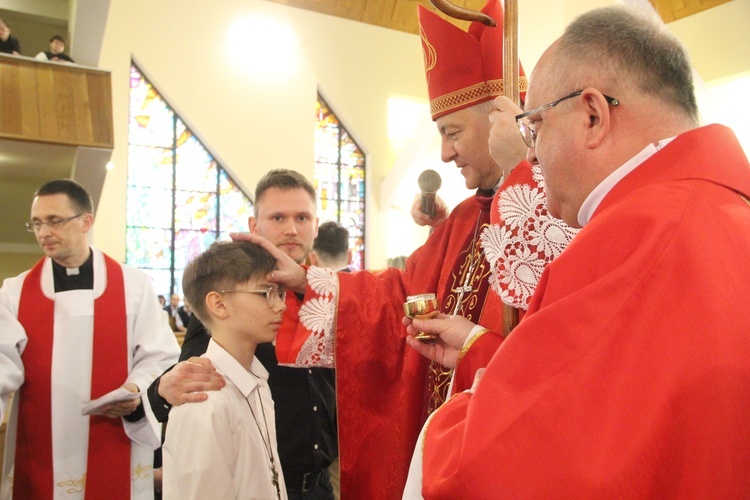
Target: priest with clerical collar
76,327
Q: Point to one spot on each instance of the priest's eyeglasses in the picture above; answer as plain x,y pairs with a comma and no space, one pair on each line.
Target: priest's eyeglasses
527,129
53,223
272,293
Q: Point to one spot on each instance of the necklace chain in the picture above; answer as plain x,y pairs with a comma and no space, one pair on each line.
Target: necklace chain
266,441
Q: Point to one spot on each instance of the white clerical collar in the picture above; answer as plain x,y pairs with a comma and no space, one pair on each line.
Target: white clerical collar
592,201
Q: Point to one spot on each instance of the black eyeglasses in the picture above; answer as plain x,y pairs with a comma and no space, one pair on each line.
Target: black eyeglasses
54,223
527,131
272,294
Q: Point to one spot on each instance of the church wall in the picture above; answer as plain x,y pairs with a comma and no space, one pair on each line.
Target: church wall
252,118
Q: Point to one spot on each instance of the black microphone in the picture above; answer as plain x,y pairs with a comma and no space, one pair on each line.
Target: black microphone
429,182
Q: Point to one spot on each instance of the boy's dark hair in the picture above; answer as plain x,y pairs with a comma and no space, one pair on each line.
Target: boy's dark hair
59,38
332,239
221,267
80,198
283,179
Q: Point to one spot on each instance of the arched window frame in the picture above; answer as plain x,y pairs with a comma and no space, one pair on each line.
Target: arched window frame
340,179
179,198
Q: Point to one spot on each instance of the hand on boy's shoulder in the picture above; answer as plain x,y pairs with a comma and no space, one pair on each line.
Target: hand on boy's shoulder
188,381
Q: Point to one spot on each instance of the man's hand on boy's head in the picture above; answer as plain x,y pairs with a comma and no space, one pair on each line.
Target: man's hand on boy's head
288,273
188,381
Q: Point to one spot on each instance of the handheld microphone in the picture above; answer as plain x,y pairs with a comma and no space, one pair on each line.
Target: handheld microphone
429,182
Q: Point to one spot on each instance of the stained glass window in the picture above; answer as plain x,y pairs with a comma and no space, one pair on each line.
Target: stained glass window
179,199
340,179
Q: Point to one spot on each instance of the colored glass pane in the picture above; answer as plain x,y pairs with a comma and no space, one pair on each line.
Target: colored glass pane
149,166
235,209
340,179
148,247
196,169
188,244
151,119
195,210
149,207
179,199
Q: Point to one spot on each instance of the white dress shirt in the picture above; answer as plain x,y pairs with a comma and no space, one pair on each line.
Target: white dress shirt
219,448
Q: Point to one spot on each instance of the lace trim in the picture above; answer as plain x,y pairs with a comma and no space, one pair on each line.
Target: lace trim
318,316
519,251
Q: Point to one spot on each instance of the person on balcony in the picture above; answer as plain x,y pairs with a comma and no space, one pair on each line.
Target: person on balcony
8,44
56,51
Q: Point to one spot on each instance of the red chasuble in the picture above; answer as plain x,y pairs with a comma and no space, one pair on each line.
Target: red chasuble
380,382
108,469
629,375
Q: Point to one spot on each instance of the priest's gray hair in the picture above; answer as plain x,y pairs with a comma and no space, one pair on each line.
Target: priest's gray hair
622,45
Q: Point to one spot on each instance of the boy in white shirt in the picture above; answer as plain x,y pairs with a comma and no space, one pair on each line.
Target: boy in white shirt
225,447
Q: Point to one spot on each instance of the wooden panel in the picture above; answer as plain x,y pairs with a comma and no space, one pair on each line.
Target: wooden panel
401,15
100,100
19,114
82,108
47,109
55,103
672,10
10,100
63,88
30,124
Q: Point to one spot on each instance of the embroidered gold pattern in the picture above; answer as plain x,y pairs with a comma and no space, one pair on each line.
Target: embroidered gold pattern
473,271
73,485
472,94
439,378
429,53
141,471
471,275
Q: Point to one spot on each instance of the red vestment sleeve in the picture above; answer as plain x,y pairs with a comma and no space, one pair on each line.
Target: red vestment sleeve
478,356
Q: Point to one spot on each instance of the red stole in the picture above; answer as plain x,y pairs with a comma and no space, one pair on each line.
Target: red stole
108,466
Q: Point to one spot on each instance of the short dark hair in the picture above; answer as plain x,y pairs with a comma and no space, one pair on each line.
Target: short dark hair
285,180
80,198
59,38
332,239
222,266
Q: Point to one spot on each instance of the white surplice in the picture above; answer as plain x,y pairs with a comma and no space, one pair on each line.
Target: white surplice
152,347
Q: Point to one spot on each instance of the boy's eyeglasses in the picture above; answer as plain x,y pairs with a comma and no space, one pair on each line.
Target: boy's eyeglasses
272,293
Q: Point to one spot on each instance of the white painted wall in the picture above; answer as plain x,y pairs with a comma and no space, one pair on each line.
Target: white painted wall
254,123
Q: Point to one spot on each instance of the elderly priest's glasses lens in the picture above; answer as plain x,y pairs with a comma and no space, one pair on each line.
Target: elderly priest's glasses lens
527,130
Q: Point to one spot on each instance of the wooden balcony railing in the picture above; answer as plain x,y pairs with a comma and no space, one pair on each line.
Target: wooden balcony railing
55,103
